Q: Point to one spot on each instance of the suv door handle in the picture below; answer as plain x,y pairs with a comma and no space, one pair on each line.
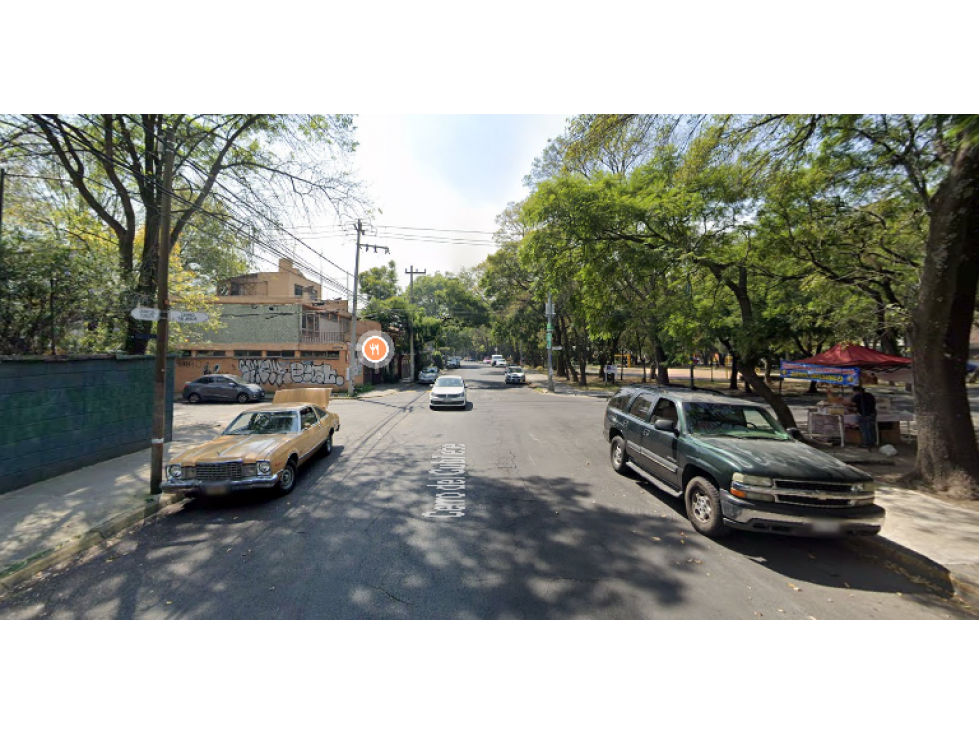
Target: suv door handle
645,431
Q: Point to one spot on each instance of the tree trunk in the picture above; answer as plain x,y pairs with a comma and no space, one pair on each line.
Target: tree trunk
662,369
733,383
753,380
643,361
948,459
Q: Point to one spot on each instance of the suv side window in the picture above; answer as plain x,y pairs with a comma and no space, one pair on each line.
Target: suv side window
666,410
640,408
620,400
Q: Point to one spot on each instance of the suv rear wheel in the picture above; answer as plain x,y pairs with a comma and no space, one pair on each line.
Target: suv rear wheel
617,455
703,502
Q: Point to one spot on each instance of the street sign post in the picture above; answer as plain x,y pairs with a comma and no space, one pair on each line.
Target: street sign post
141,313
188,317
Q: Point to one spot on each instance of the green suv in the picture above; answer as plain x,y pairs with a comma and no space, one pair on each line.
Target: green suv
735,466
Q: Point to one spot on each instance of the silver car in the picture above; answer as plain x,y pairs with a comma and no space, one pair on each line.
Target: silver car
222,387
448,391
428,375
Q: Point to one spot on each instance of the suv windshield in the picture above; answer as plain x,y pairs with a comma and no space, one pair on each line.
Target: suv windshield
263,423
738,421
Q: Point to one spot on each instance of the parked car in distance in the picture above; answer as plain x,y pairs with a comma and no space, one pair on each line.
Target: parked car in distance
428,375
222,387
735,466
262,448
448,390
487,360
515,375
453,362
498,360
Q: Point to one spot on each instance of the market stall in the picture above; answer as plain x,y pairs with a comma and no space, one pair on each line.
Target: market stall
849,365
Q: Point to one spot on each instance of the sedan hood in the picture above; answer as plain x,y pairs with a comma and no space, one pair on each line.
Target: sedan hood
448,390
233,448
784,459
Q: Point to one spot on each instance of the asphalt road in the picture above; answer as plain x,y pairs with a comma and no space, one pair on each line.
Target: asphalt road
547,531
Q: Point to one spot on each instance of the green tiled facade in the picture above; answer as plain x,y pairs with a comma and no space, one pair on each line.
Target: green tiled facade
258,324
58,415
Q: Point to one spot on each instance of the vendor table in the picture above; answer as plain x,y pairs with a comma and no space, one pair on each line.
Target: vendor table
828,424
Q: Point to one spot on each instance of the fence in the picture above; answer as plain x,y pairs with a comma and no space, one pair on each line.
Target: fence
58,414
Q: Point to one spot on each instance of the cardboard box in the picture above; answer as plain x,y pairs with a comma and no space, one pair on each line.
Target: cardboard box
889,433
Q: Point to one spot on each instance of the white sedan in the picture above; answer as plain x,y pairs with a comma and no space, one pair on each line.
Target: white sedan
448,390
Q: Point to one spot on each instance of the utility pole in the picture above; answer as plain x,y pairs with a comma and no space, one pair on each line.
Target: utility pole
411,299
3,176
353,322
550,329
162,326
3,274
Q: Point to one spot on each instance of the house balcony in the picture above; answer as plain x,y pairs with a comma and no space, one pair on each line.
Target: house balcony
311,336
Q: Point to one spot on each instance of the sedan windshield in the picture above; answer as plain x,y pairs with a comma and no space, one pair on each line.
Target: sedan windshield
263,423
448,382
738,421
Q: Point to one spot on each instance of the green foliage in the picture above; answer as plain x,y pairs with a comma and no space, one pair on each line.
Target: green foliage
381,282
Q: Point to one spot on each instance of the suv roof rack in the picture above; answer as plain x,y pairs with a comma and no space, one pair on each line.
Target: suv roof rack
675,388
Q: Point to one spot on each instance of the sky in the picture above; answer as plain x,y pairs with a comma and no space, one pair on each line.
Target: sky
432,178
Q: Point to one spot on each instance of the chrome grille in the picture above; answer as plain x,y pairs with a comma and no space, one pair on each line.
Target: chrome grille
817,494
793,484
219,472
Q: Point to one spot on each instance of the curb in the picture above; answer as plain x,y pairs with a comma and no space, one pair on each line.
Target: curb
18,573
920,569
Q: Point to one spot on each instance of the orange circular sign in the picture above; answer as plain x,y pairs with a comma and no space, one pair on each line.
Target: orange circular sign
375,349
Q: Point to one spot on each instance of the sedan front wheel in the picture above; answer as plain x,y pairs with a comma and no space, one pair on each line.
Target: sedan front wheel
287,478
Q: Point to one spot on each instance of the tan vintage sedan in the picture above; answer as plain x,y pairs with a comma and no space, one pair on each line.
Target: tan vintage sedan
262,448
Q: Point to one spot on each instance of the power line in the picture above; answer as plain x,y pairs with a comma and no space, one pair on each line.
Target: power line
222,218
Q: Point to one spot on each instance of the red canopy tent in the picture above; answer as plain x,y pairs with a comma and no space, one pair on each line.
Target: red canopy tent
853,355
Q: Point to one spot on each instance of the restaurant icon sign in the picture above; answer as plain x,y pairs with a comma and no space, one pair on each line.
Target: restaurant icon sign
376,349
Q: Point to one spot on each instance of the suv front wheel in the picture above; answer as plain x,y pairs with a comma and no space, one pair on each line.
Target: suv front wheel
703,501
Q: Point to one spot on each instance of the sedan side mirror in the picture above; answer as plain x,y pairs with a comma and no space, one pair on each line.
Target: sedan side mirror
795,433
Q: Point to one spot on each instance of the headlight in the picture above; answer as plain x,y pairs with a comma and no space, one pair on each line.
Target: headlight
175,471
751,480
248,470
264,467
865,487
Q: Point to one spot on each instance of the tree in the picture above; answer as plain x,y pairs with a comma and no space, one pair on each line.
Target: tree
239,169
380,282
931,160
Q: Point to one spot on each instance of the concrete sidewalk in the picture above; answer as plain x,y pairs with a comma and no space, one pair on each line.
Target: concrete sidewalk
46,524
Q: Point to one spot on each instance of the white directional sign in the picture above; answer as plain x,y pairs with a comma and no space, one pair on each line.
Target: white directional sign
555,349
189,317
141,313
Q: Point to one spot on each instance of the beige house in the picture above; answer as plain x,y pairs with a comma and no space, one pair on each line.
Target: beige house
278,332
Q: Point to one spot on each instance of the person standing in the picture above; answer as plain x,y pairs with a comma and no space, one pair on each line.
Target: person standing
866,406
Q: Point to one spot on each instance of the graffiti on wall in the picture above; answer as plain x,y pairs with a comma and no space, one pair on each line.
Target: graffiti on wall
288,372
